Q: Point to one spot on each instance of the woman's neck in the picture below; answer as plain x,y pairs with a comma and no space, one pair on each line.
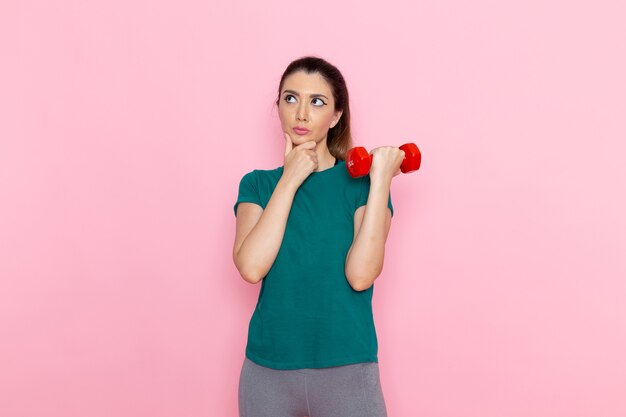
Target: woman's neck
325,159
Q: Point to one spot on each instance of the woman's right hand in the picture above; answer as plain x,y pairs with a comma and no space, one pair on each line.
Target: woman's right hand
300,161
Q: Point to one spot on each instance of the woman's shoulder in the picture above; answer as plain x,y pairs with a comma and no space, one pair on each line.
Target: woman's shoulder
269,173
264,175
264,171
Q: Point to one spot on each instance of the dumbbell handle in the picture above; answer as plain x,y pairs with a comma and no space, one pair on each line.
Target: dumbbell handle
359,161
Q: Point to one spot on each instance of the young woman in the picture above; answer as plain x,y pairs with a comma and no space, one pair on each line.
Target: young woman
315,239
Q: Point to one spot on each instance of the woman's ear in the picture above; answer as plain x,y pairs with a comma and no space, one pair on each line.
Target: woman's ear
337,117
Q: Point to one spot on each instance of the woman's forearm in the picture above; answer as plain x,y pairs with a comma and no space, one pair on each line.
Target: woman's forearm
364,261
260,248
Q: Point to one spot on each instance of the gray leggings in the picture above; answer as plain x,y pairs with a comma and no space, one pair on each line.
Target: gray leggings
338,391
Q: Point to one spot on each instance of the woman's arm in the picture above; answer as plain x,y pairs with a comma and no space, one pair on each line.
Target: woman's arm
260,232
364,261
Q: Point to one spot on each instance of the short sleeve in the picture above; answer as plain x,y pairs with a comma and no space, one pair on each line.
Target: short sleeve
365,191
248,190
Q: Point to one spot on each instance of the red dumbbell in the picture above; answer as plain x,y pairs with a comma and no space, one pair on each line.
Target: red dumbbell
359,161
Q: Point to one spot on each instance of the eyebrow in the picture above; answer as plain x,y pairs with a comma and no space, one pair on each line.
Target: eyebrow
312,95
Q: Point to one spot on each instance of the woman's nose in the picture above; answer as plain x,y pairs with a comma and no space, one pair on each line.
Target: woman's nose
301,115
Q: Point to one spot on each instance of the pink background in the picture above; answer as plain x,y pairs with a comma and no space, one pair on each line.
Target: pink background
125,128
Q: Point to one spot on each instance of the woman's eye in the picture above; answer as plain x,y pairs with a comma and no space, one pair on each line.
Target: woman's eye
321,102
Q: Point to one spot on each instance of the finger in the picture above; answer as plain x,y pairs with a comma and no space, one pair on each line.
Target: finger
308,145
288,143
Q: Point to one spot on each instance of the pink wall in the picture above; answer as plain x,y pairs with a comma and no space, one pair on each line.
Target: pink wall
504,287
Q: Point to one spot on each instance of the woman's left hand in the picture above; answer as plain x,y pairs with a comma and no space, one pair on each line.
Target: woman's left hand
386,161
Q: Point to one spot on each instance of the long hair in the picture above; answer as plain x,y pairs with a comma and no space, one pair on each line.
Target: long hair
339,138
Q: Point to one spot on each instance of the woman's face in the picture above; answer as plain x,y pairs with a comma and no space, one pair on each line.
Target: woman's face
307,101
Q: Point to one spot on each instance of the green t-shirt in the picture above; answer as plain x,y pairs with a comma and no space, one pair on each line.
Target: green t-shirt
307,314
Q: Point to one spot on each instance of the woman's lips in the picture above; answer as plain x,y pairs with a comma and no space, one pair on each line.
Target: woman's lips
301,131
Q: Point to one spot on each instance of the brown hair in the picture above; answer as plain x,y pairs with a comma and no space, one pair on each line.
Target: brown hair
339,138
